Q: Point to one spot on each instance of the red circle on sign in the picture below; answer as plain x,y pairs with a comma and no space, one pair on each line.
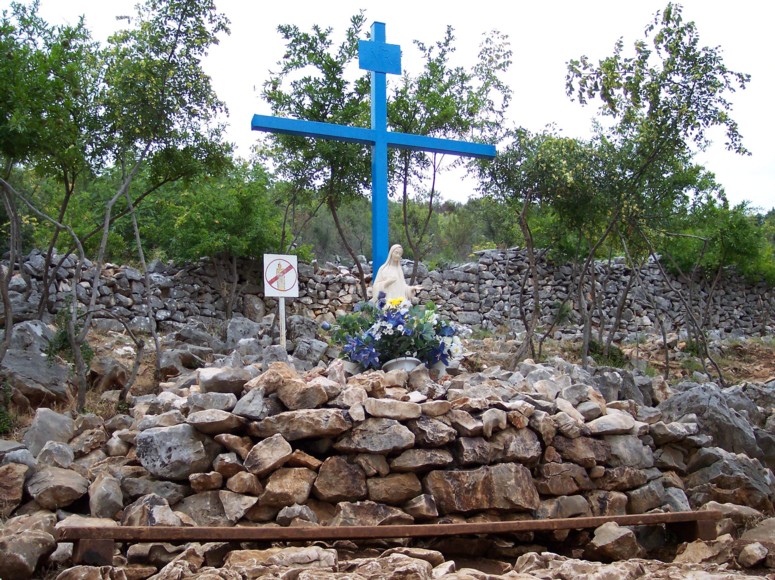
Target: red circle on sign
281,275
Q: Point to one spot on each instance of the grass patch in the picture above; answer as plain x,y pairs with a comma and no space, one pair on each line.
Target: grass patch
614,358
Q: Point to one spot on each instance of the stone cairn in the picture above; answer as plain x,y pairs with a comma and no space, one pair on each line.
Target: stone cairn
258,445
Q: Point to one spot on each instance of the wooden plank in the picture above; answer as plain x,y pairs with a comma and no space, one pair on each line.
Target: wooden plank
277,533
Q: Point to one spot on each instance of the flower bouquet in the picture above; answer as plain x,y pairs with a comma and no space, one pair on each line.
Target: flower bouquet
376,333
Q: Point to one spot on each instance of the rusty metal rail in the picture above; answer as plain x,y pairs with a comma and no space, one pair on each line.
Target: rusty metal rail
94,545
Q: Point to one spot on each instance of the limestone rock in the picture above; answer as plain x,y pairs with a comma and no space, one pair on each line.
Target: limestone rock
613,423
53,487
88,441
215,421
472,451
105,496
584,451
543,424
392,409
505,486
205,401
612,543
249,563
393,566
47,425
244,483
268,455
150,510
175,452
394,489
516,445
24,542
235,504
286,486
223,380
607,503
430,432
205,481
629,450
464,423
368,513
11,487
297,394
382,436
712,552
752,554
339,480
421,460
205,509
135,487
372,464
93,573
621,479
422,507
227,465
35,378
239,445
762,532
561,479
565,506
730,478
493,420
303,424
296,512
646,498
252,406
716,416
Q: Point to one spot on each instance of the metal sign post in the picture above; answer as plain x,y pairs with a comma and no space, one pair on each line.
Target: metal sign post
281,280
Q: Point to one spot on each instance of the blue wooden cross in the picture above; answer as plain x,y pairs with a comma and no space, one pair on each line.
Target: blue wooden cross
380,58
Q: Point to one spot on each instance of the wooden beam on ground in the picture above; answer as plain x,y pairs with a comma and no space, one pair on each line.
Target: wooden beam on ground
690,525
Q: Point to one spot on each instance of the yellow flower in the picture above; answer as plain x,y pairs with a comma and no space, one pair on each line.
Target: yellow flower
395,302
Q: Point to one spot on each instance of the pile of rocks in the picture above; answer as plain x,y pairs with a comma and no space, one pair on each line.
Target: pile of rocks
266,444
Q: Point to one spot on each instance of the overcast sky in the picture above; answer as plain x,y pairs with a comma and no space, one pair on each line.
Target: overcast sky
544,36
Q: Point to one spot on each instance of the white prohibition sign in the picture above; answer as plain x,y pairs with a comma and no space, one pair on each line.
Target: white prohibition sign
280,276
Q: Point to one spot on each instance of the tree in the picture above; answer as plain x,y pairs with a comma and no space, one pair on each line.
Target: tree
315,84
142,103
660,102
446,102
47,104
530,171
225,219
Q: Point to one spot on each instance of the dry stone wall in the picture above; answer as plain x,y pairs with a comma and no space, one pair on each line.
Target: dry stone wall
487,293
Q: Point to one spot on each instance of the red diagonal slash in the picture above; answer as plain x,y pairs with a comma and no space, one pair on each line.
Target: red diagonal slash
273,280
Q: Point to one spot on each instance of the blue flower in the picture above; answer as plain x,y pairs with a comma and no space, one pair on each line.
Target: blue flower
325,325
446,330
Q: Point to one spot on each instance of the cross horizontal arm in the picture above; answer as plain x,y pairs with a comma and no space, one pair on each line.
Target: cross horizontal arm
368,136
312,129
437,145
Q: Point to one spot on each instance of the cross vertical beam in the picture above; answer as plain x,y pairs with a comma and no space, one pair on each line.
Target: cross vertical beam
379,158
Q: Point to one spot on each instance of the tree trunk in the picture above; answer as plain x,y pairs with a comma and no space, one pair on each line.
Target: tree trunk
415,244
527,344
50,252
361,274
149,308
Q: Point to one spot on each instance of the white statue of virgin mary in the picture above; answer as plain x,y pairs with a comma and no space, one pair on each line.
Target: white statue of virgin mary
390,278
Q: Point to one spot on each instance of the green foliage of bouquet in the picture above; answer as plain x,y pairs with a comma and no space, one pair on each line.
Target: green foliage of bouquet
375,333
